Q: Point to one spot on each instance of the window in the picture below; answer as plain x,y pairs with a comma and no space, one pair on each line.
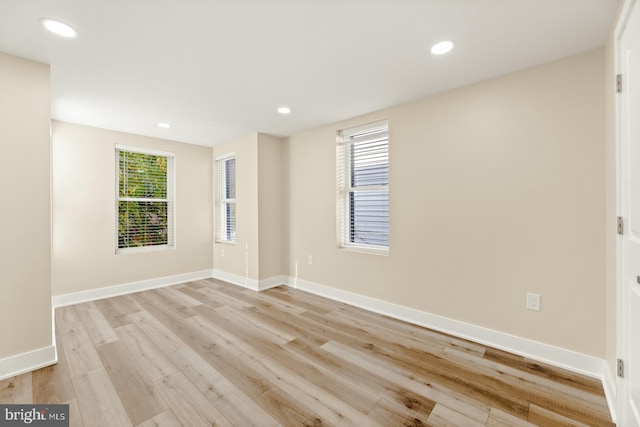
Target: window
145,199
363,187
226,198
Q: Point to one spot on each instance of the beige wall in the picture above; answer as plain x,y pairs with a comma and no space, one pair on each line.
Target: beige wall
258,253
241,258
497,189
270,206
84,212
25,253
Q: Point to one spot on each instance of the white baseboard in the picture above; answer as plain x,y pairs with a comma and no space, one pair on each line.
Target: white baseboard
610,389
26,362
54,342
235,279
127,288
552,355
252,284
272,282
556,356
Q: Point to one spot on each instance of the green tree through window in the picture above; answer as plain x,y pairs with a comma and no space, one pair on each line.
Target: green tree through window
145,199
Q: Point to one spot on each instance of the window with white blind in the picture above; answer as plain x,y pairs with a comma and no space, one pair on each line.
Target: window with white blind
226,198
363,187
145,199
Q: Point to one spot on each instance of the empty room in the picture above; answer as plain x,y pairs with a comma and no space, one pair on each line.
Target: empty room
319,213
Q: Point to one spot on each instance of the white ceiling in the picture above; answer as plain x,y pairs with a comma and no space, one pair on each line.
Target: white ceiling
218,69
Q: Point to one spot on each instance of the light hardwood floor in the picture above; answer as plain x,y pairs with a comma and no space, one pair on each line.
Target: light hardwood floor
210,353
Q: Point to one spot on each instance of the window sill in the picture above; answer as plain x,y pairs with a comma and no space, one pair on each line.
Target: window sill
226,242
143,249
366,250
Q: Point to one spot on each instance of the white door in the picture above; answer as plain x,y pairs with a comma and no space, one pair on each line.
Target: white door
630,210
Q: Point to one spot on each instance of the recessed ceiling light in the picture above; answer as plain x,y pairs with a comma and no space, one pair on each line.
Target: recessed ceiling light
59,28
164,125
284,110
442,47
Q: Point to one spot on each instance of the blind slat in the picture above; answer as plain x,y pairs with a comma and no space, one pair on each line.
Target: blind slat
366,165
145,206
225,198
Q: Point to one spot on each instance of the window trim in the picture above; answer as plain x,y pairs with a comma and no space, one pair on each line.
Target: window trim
345,188
219,202
171,199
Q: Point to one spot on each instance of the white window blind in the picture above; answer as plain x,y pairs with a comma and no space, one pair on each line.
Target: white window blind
145,199
226,199
363,184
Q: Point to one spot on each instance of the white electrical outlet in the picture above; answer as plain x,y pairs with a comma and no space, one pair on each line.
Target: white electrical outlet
533,302
221,252
310,260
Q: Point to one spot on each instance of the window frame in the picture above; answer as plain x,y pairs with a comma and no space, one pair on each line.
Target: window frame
343,211
221,203
170,199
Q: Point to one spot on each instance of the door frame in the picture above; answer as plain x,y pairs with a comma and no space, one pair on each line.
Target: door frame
622,348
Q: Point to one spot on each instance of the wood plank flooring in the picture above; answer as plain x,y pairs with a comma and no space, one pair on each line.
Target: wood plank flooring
208,353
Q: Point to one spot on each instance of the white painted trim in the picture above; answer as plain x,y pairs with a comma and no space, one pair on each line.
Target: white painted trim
142,150
552,355
127,288
610,390
556,356
27,362
291,282
619,387
235,279
272,282
54,342
225,156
